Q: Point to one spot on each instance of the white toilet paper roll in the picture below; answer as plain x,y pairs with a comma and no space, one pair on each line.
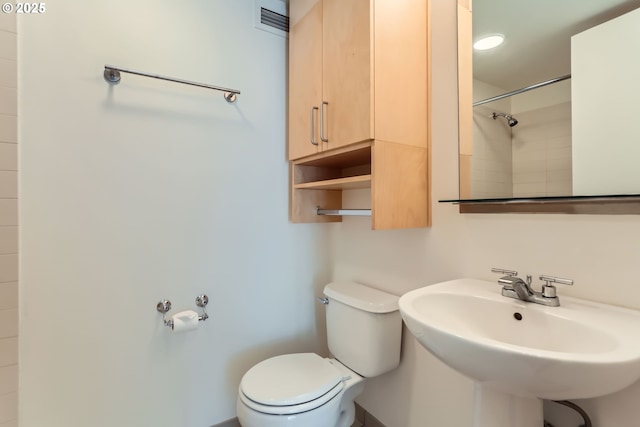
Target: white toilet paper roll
185,321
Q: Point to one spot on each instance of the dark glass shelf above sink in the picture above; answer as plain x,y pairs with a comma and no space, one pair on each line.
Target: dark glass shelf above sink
619,204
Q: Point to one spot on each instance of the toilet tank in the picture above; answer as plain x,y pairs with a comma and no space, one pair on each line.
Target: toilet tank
364,328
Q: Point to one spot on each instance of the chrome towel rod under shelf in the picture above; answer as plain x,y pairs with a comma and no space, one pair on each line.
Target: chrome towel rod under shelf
352,212
112,75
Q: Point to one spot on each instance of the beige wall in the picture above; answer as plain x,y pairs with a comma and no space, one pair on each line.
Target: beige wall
599,252
8,224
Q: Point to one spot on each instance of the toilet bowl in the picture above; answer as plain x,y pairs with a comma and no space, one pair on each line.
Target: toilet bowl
298,390
364,329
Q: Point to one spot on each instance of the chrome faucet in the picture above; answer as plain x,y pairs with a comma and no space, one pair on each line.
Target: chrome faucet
515,287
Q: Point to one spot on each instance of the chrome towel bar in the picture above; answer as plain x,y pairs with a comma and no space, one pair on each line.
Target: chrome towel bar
112,75
351,212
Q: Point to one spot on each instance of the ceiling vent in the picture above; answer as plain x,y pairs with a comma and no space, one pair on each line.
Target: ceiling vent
272,16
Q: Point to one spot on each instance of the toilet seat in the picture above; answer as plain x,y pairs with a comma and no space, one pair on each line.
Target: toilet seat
291,384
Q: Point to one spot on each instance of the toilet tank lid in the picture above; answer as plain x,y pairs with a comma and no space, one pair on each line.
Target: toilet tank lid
362,297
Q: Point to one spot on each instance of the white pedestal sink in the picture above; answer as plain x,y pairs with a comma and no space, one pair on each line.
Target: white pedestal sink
519,352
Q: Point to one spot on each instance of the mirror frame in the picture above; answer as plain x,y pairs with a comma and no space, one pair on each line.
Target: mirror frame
601,205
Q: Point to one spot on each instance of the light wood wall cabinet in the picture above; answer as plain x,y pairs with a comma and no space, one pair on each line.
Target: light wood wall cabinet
359,108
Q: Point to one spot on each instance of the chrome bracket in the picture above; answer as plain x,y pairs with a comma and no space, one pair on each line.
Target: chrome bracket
112,76
230,97
201,301
163,307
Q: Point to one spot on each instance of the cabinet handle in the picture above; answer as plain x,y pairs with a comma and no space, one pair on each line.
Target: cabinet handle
313,131
322,122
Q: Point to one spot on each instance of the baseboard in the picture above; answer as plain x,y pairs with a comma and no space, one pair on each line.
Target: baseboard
233,422
365,419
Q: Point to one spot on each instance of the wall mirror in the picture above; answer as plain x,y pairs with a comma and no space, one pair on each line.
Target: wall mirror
547,118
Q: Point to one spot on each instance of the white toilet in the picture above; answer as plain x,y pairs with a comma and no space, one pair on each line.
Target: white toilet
364,330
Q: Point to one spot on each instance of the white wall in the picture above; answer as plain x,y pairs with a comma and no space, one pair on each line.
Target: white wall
599,252
151,190
605,88
8,223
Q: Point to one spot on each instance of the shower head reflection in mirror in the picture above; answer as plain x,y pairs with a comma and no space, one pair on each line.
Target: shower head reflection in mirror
511,121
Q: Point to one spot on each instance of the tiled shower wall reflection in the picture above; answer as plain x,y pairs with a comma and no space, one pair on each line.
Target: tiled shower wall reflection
8,223
542,152
534,158
492,164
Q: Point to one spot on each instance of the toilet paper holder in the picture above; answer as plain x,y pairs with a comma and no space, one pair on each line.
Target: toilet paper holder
165,305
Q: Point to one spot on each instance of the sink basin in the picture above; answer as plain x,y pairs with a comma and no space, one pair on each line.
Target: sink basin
581,349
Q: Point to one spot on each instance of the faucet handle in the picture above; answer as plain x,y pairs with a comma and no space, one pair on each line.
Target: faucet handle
549,290
505,272
553,279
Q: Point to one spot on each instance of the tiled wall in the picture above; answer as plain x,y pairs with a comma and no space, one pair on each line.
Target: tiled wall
491,165
8,224
491,161
531,159
542,152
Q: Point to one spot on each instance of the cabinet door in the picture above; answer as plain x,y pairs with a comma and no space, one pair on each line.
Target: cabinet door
346,71
305,78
